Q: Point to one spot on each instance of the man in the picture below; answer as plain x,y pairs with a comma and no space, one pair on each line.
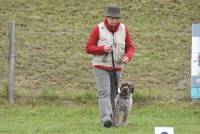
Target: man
111,46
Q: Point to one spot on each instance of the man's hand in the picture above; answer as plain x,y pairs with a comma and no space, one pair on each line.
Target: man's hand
107,49
125,60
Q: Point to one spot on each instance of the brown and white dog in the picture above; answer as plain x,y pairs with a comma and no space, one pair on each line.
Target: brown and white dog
123,103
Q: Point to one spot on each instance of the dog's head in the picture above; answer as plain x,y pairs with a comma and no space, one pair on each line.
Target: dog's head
126,89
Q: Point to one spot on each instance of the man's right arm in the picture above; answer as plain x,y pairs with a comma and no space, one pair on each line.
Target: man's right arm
91,45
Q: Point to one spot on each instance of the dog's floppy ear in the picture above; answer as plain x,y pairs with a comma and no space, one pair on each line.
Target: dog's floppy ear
131,87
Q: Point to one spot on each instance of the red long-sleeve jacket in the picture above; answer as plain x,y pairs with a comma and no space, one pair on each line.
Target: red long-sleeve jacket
92,48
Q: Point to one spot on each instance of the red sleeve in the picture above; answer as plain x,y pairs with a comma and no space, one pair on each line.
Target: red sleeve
91,45
129,48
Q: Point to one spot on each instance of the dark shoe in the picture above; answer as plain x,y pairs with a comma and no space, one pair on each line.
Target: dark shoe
108,124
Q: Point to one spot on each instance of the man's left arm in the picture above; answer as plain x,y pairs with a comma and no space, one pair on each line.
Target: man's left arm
129,48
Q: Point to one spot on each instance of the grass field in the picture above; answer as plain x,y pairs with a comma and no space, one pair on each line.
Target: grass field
82,119
54,83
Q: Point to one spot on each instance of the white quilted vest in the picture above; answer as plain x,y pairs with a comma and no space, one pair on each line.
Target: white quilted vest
116,40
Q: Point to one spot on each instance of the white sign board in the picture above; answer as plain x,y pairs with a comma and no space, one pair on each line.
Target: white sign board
195,62
164,130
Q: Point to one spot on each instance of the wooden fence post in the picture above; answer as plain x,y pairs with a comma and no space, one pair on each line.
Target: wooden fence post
11,61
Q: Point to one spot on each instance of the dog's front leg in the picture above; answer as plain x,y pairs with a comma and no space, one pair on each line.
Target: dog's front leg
116,117
125,118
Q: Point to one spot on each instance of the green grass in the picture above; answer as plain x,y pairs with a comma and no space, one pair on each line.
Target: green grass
76,119
54,83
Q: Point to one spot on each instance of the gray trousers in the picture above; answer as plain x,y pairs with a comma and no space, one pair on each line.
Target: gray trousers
106,88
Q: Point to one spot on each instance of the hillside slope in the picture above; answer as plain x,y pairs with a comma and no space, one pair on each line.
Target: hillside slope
50,46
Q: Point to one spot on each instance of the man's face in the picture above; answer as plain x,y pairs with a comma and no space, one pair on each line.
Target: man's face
112,20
